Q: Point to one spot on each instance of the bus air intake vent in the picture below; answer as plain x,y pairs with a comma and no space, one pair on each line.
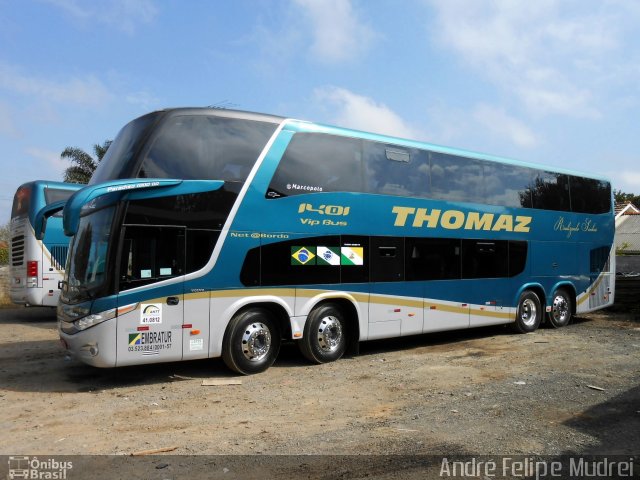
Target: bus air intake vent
17,250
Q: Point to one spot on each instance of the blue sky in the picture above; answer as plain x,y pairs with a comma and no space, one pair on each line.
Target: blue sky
551,82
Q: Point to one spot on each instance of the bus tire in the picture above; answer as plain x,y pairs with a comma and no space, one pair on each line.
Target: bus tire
325,334
528,313
251,341
561,308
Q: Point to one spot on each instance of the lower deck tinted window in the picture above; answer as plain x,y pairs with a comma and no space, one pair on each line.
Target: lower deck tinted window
485,259
517,257
350,259
387,259
432,258
599,259
150,254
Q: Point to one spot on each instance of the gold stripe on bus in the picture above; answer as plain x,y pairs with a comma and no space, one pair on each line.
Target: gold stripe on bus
414,302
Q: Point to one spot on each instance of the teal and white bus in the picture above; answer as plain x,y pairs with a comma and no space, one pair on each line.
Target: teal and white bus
37,265
215,233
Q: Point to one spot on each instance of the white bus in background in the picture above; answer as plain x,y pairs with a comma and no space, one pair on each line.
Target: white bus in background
37,265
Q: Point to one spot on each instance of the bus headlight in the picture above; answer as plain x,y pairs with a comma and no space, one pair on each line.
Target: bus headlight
94,319
71,312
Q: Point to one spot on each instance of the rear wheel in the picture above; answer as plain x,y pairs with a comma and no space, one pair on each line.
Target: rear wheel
529,312
251,342
561,307
325,336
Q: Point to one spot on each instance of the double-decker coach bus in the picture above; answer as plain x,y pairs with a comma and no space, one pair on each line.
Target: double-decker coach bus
216,233
37,265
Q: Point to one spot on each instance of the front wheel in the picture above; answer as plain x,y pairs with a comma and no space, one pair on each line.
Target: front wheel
325,338
561,307
251,342
529,312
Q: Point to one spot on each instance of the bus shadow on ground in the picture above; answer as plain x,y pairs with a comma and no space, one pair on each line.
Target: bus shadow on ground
41,366
42,317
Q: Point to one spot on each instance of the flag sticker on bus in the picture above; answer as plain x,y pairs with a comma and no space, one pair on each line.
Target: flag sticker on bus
150,314
352,255
303,255
328,256
135,339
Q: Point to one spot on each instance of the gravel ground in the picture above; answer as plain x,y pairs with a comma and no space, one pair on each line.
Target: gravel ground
486,391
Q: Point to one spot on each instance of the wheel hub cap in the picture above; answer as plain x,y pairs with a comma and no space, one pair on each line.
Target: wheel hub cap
329,334
256,342
529,312
560,308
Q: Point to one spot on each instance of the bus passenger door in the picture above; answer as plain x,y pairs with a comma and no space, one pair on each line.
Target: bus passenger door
395,307
153,331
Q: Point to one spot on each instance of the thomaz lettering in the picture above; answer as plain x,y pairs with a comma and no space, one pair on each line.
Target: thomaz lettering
456,219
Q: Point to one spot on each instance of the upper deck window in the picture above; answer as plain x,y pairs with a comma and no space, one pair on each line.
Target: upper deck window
21,201
318,162
201,147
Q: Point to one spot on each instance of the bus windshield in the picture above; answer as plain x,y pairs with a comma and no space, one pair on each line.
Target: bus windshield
120,159
186,146
87,265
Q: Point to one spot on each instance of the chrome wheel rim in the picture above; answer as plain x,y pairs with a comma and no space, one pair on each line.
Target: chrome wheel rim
256,342
560,309
528,312
329,334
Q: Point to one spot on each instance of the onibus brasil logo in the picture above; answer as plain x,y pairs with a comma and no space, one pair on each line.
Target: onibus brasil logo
32,467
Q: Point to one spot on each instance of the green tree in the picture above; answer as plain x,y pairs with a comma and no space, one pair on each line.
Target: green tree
622,197
5,234
83,164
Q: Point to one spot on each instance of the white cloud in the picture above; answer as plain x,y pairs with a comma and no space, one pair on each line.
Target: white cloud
124,15
87,90
338,33
363,113
625,180
551,55
143,99
51,159
499,122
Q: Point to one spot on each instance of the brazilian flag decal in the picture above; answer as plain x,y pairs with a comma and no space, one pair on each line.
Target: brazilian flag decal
303,255
135,339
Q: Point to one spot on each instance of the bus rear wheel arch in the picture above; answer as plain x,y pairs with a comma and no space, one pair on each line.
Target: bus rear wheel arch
251,341
562,305
529,312
325,334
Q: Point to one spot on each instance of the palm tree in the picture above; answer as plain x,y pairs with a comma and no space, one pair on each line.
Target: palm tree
85,164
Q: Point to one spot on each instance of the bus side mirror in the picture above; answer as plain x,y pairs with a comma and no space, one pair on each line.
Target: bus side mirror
40,221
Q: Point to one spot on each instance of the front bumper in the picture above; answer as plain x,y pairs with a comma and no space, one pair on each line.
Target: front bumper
95,346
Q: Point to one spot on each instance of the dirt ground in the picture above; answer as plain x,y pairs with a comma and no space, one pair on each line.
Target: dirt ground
574,390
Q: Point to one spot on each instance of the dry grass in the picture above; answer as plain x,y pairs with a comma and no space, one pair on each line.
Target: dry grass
4,287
